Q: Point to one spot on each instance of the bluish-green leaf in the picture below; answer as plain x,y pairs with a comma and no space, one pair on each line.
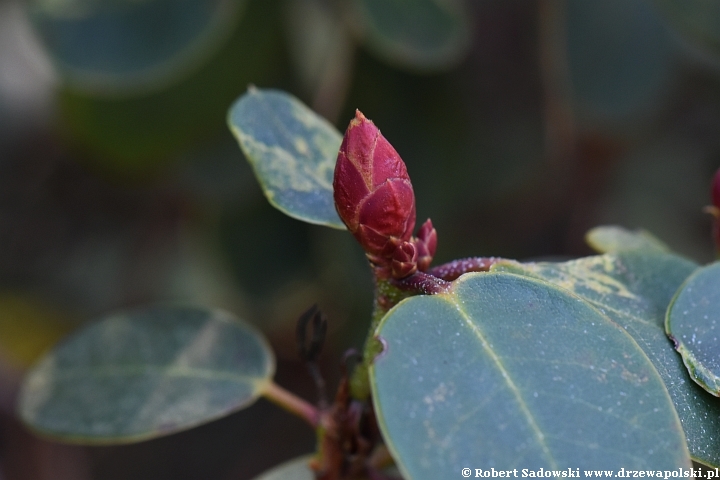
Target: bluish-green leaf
693,322
293,152
295,469
614,239
418,34
139,375
113,46
634,290
509,371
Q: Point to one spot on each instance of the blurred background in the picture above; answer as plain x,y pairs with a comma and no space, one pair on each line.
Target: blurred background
522,124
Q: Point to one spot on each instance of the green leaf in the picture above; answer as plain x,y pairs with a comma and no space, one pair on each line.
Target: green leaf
426,35
691,320
614,239
296,469
143,374
697,21
117,45
512,371
142,134
293,152
634,290
620,58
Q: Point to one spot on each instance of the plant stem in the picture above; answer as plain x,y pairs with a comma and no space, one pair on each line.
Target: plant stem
452,270
421,283
292,403
387,296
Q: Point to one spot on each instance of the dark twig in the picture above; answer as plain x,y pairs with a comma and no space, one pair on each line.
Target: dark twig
310,351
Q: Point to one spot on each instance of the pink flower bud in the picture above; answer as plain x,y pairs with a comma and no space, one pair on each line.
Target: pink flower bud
425,244
404,261
373,193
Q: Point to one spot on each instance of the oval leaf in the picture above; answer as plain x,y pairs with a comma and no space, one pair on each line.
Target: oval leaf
139,375
296,469
692,318
634,289
614,239
697,21
511,371
118,45
293,152
420,35
620,57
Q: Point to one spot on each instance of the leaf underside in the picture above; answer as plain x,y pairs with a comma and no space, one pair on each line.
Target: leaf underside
510,371
144,374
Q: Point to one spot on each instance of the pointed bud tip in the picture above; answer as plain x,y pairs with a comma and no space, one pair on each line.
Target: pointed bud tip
359,119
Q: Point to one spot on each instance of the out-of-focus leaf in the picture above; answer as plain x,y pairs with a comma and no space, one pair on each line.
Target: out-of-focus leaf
614,239
510,371
424,35
692,318
144,374
322,53
619,55
138,135
116,46
293,152
296,469
634,290
27,328
698,21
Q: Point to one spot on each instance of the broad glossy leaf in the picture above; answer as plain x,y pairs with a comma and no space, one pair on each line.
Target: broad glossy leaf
293,152
296,469
139,375
691,322
118,45
614,239
634,290
418,34
510,371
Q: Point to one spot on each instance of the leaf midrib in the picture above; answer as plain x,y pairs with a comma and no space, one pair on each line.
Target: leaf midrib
159,370
508,380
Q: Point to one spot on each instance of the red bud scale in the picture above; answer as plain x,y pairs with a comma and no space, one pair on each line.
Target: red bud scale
375,200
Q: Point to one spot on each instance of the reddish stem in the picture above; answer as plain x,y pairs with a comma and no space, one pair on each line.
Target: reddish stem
292,403
422,283
452,270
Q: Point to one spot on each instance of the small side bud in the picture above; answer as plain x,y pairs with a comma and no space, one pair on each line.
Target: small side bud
372,191
404,261
426,244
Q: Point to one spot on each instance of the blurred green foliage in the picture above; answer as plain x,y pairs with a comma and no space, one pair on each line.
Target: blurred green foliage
535,122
